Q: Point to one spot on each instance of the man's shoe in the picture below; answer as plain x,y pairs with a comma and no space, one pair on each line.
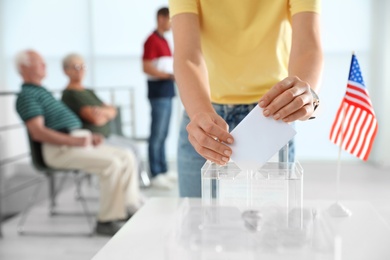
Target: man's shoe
171,176
123,221
161,182
131,210
108,228
129,216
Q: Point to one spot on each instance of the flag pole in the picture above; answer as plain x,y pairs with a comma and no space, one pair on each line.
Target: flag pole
338,173
337,209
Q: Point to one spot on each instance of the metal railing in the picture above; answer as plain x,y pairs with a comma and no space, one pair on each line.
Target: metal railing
130,106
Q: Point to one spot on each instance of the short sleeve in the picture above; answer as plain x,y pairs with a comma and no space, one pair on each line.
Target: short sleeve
150,50
298,6
97,99
28,107
183,6
73,101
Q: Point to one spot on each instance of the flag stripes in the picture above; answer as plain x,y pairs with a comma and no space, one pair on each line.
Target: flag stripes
355,126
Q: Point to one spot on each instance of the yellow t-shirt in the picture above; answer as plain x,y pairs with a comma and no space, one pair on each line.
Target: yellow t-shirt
246,43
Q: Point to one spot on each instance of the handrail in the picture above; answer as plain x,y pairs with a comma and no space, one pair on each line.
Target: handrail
116,88
14,158
5,93
20,187
9,127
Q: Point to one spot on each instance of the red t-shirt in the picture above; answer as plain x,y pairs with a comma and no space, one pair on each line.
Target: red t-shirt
156,46
156,49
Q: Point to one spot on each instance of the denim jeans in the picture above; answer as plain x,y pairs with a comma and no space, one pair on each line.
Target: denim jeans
161,115
190,162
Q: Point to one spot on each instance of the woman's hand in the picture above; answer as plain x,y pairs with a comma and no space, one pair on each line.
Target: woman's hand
289,100
208,133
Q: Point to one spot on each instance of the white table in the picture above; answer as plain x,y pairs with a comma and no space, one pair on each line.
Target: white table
365,235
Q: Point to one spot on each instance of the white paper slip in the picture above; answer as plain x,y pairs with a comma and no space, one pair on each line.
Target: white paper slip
257,138
165,64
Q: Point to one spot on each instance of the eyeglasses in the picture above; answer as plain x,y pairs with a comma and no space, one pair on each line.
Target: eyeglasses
79,67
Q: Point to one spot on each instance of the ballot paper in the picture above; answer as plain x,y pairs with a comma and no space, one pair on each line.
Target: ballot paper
164,64
257,138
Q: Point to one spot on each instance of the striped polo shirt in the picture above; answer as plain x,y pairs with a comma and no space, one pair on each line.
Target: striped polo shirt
36,101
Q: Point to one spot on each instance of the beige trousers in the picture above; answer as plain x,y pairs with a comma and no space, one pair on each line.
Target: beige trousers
117,170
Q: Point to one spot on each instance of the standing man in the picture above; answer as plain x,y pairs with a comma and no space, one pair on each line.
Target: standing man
232,56
157,64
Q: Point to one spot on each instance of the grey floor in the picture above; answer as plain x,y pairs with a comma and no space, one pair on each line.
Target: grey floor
359,181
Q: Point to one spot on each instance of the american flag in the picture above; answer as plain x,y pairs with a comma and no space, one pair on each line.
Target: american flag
355,125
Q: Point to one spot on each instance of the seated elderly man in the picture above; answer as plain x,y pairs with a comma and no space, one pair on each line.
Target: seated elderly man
54,125
93,112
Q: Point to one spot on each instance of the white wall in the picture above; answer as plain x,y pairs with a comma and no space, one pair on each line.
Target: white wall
345,28
380,70
110,35
2,65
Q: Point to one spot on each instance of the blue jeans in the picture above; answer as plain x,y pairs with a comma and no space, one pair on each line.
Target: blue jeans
190,162
161,115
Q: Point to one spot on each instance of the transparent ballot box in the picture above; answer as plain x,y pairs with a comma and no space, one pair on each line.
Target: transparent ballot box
274,184
250,214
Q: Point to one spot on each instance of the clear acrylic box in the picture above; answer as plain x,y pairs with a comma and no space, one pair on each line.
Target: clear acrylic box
274,184
251,214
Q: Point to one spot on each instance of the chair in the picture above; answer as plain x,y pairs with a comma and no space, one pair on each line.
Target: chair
116,128
50,174
1,167
116,123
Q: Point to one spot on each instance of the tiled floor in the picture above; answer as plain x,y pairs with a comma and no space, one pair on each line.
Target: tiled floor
359,181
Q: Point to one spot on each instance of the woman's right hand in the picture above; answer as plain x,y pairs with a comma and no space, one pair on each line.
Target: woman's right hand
208,134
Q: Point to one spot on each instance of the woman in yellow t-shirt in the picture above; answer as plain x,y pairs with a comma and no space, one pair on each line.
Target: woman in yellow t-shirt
232,55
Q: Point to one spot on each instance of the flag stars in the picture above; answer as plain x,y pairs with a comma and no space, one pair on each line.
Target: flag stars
355,73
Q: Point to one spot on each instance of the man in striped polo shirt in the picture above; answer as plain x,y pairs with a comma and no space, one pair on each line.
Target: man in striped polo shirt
54,125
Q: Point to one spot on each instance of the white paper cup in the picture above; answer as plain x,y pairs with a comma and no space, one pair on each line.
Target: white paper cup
83,133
